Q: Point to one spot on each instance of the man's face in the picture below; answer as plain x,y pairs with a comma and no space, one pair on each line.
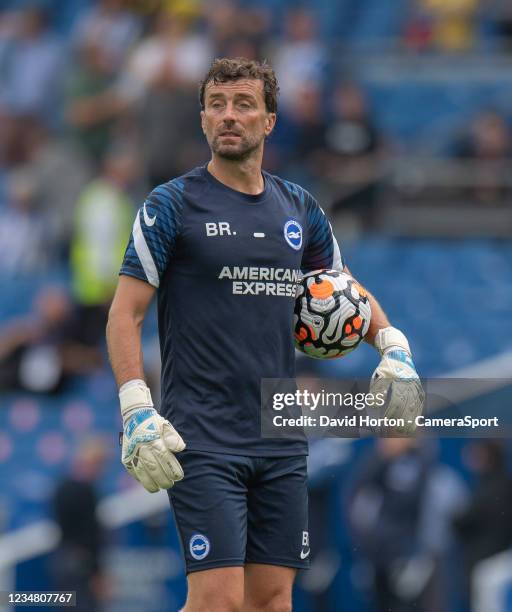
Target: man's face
235,120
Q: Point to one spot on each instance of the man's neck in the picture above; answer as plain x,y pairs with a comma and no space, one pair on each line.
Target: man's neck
242,176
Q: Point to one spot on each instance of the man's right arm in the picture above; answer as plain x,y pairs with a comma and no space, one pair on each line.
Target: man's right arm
125,319
149,441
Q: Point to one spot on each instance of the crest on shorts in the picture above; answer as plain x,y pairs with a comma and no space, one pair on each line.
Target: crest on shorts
199,546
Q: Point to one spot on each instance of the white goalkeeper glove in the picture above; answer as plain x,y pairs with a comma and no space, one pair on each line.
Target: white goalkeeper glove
149,440
397,379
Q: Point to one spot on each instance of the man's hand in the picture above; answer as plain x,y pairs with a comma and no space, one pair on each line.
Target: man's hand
149,440
397,379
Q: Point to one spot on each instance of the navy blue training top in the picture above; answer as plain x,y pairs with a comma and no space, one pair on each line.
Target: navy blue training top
226,265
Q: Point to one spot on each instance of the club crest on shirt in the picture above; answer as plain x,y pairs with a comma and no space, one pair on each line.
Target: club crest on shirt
293,234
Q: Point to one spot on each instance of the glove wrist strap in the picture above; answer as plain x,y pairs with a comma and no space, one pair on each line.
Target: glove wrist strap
391,339
134,394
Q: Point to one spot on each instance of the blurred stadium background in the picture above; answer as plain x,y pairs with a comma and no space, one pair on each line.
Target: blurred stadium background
397,115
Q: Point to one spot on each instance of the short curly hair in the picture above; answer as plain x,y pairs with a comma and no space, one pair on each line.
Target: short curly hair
225,69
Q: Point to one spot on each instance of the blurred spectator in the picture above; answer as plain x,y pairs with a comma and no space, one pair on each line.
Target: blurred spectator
489,145
444,25
237,31
352,153
351,131
22,229
103,219
77,563
31,65
111,26
391,511
485,527
55,172
297,149
455,24
174,54
40,351
171,136
308,126
499,13
93,104
168,66
223,17
446,496
489,138
300,56
15,139
418,31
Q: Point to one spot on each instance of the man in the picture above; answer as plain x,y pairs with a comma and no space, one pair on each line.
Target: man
217,244
77,562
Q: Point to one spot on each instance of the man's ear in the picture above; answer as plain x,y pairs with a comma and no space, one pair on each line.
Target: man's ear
202,121
270,123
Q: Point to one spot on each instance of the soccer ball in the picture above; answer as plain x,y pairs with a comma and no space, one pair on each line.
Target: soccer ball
332,314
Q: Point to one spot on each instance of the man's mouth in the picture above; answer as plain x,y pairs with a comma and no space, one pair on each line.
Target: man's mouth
230,134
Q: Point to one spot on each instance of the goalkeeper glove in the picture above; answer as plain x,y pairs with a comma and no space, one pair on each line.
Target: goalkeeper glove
149,440
397,379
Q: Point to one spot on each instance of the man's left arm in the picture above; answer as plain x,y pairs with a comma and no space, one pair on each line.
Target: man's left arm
405,396
405,399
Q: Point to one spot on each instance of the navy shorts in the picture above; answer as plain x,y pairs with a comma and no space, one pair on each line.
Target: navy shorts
231,510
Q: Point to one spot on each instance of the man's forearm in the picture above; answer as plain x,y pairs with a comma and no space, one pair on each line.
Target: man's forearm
124,347
378,321
149,441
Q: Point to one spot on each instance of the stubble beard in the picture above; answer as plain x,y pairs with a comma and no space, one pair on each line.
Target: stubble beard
240,152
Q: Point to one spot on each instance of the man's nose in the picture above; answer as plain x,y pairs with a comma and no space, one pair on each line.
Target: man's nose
229,114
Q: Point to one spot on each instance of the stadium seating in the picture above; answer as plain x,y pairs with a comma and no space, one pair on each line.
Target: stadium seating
452,299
